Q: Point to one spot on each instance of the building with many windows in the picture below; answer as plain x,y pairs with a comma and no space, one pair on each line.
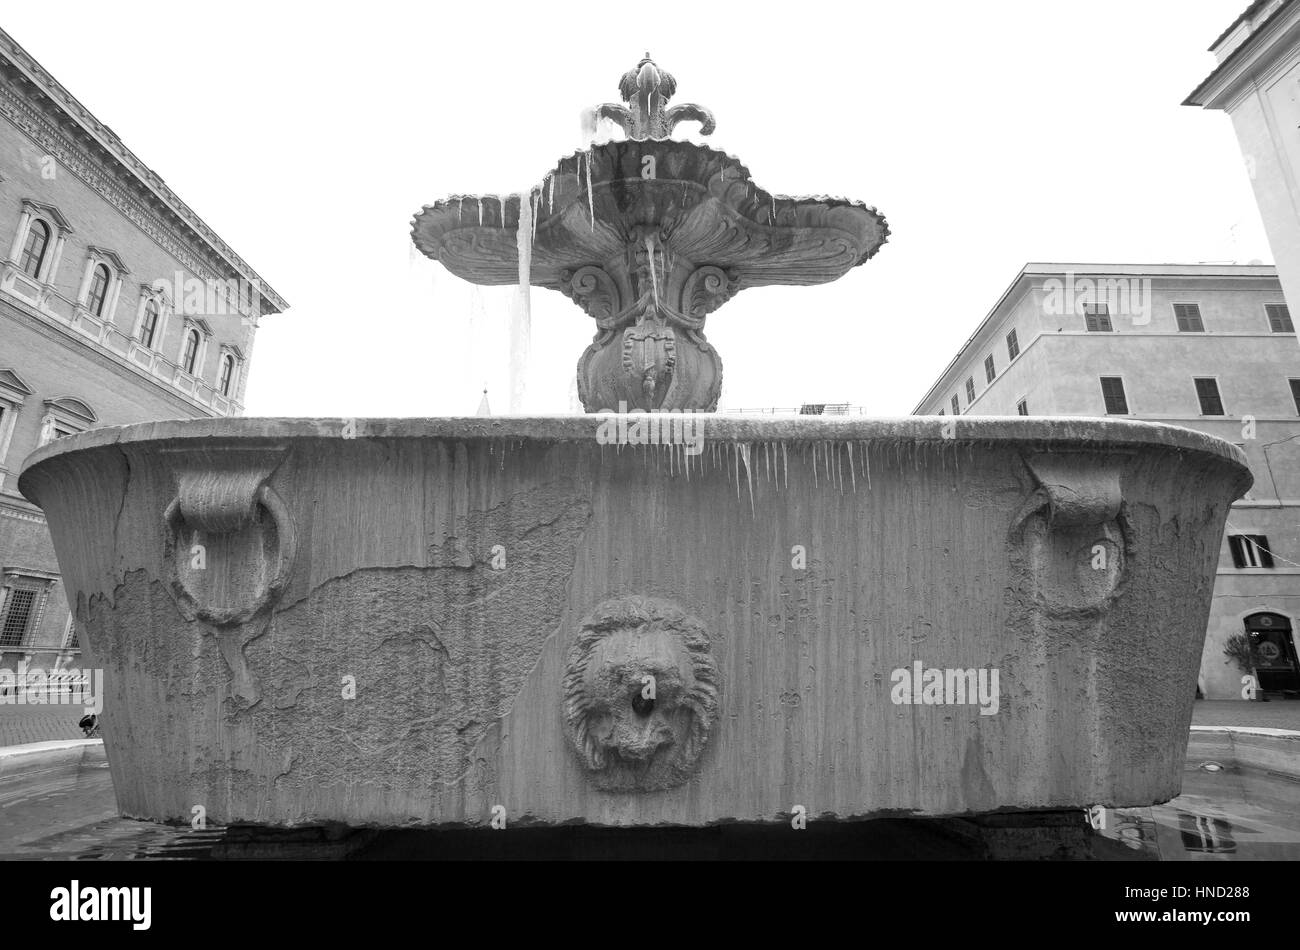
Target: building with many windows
118,304
1209,347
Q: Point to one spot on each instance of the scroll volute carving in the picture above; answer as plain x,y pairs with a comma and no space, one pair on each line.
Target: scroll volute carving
1073,533
594,290
707,288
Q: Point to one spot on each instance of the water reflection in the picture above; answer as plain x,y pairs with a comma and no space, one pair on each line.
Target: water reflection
1229,814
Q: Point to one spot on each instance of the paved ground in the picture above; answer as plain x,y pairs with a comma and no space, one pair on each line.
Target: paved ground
22,724
1279,714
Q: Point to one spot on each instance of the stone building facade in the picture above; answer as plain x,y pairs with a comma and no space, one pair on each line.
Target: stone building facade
1209,347
118,304
1255,83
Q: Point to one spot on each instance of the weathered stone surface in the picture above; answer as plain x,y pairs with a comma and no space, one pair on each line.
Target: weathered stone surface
449,565
649,236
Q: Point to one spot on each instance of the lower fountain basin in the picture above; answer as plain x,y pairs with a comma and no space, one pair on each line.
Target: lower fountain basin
389,622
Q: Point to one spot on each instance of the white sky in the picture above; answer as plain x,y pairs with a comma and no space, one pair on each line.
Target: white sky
989,134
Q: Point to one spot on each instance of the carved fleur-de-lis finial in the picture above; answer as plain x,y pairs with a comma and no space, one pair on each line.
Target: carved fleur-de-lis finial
646,89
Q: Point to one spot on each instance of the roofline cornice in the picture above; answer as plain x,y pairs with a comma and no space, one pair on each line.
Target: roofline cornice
1035,270
25,64
1216,89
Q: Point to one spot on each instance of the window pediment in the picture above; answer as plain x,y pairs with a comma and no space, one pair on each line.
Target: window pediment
71,406
48,211
111,258
12,385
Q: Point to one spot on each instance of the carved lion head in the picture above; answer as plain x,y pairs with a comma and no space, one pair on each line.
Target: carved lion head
640,693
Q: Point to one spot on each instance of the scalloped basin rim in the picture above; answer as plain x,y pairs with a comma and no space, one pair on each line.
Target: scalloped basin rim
1075,433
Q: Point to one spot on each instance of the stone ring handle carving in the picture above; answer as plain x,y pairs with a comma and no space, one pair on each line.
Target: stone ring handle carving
1073,533
224,505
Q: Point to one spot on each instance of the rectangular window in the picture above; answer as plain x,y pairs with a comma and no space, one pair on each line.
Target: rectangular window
1207,393
1022,407
1112,391
20,605
990,371
956,406
1097,316
1250,550
970,390
1013,346
1279,318
1295,394
1188,316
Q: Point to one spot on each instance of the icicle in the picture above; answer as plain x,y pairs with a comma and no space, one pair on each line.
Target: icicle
521,313
853,477
814,455
550,194
480,211
749,477
460,207
785,464
654,276
591,198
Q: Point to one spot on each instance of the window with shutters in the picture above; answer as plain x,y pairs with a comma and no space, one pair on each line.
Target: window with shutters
1112,392
970,390
956,406
1295,394
1022,407
1188,316
1207,394
1279,318
1013,346
1250,550
1097,317
990,371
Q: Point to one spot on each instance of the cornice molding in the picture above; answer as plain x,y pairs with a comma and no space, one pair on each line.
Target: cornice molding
1224,87
204,256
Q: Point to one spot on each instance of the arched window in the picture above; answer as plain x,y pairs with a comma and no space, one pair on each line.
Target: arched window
149,325
191,351
98,290
38,239
227,374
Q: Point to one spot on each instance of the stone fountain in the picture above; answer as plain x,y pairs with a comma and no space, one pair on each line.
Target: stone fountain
486,621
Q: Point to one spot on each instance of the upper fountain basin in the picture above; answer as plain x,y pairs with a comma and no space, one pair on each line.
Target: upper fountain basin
702,202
